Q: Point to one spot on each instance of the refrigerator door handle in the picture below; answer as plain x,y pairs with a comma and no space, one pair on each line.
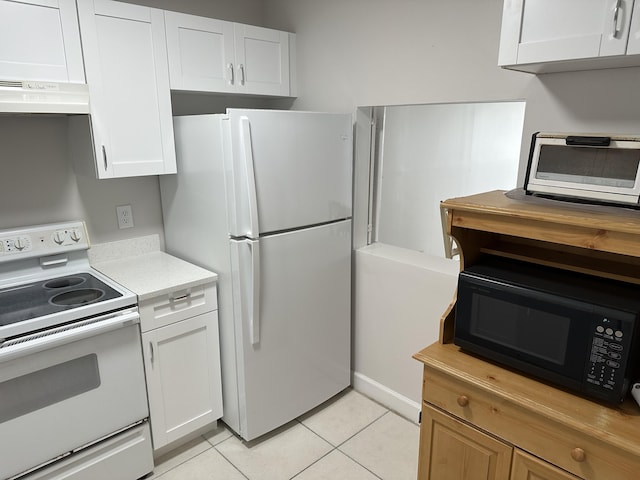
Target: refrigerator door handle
247,155
254,305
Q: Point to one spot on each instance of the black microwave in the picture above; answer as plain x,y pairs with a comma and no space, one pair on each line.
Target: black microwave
575,330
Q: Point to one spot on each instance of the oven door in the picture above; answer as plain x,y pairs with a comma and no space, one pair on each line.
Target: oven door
69,387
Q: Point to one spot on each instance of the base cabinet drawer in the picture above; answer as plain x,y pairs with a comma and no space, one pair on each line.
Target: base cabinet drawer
528,467
453,450
177,305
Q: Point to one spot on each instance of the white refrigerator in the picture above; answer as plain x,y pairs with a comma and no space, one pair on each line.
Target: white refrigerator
263,198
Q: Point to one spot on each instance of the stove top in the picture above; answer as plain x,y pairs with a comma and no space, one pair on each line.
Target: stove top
46,280
46,297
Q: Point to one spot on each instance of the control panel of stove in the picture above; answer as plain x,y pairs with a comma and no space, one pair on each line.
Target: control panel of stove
42,240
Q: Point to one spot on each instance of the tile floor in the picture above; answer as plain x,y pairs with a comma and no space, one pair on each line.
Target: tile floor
349,437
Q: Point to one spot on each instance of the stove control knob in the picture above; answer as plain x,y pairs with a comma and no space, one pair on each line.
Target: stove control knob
58,237
75,235
19,243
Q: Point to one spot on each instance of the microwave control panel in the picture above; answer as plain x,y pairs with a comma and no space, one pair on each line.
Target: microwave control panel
608,356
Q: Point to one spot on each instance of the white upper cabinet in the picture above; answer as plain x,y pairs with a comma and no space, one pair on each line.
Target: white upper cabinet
201,53
542,36
211,55
633,47
128,77
262,59
39,40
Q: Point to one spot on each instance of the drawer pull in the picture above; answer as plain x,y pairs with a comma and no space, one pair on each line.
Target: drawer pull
578,455
463,400
180,298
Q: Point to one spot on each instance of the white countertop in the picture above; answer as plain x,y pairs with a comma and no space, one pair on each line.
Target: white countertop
155,273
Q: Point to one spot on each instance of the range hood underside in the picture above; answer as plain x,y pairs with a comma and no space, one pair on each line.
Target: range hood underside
43,97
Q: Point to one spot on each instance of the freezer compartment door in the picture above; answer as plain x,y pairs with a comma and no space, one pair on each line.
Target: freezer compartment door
292,323
289,169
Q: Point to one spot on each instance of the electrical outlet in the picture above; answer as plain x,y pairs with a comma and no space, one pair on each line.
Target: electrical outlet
125,216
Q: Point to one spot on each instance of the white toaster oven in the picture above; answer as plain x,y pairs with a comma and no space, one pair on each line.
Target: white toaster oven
592,168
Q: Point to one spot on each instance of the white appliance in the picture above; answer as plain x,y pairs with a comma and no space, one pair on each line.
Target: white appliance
72,393
585,168
263,197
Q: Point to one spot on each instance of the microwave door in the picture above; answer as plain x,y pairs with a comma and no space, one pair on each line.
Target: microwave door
534,332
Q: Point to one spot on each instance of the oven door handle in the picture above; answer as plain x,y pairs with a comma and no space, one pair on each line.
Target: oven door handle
58,336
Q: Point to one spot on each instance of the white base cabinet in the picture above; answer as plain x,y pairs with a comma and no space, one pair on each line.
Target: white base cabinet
211,55
182,362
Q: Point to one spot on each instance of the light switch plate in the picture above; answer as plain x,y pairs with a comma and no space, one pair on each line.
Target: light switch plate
125,216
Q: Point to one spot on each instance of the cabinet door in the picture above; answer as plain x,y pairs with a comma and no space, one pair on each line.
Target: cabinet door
182,367
40,40
547,30
201,53
128,78
452,450
262,60
633,46
528,467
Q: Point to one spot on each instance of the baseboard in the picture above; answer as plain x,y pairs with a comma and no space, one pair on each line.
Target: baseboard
385,396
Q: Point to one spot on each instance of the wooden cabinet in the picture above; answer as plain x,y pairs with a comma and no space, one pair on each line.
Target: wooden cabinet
542,36
40,40
552,434
459,451
127,74
212,55
182,362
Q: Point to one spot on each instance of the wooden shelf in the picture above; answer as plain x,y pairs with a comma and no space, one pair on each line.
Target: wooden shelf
596,240
530,418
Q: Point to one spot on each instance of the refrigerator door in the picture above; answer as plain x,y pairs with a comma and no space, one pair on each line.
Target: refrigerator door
292,320
288,169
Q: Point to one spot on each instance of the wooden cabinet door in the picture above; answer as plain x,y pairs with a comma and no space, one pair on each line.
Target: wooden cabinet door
201,53
547,30
262,60
128,78
182,368
40,40
528,467
453,450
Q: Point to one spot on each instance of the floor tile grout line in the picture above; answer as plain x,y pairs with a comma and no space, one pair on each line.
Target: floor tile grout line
229,461
350,437
313,463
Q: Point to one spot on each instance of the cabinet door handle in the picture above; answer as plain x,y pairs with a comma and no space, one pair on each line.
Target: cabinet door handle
578,454
616,15
463,400
104,157
151,348
232,77
241,74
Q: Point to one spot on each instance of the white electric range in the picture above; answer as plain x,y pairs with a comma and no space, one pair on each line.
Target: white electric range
72,389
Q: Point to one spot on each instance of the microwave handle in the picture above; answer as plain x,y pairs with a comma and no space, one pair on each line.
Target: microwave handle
588,141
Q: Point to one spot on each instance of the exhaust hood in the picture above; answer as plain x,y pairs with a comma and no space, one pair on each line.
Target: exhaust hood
43,97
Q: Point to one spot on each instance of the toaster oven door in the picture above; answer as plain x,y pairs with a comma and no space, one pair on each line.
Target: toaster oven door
579,168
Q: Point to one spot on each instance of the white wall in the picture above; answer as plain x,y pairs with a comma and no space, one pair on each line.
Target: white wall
37,180
388,52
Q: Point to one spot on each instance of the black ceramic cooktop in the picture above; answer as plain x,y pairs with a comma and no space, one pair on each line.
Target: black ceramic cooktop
40,298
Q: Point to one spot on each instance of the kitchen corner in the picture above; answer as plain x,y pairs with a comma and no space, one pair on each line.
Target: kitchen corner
179,322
